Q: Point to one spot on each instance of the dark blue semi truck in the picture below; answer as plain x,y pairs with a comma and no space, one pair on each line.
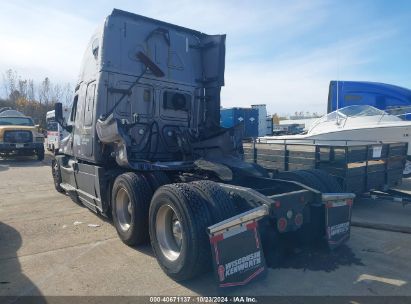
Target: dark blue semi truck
145,147
387,97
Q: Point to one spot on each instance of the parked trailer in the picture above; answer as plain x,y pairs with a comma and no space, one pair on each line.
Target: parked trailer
359,168
145,147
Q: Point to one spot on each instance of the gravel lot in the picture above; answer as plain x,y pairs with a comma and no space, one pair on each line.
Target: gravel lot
48,247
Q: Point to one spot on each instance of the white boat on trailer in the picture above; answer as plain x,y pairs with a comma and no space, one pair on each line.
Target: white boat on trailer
358,124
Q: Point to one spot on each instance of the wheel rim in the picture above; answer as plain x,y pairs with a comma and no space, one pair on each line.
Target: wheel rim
123,209
169,232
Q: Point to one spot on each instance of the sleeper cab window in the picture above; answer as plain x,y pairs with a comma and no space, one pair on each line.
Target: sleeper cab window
88,111
74,109
176,101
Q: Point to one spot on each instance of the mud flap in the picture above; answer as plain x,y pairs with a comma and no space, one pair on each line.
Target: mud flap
238,256
337,218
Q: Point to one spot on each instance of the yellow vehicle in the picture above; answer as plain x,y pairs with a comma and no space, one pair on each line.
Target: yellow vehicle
19,135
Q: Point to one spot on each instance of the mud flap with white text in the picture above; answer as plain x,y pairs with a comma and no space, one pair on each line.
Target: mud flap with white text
238,256
338,221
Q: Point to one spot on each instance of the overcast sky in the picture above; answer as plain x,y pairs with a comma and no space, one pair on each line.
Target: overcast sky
282,53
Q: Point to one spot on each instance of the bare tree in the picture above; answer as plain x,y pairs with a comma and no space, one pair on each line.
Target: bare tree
14,96
31,99
56,94
67,95
31,94
9,82
22,87
44,92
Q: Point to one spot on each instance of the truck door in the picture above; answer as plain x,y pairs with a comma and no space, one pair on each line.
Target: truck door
83,127
68,167
86,175
87,136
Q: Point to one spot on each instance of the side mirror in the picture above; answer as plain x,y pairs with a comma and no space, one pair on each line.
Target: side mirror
58,113
58,116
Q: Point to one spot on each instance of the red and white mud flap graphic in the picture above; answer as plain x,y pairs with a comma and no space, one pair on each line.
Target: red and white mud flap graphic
338,222
238,256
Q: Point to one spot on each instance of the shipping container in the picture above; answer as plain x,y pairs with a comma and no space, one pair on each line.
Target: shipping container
248,117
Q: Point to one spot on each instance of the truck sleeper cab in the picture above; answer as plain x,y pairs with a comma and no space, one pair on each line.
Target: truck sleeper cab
146,148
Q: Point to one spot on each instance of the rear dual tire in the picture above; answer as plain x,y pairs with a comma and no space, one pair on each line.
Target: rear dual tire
176,220
156,179
179,217
130,199
305,178
314,178
329,181
218,201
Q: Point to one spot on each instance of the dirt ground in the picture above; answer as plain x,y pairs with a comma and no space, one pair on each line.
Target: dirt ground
51,246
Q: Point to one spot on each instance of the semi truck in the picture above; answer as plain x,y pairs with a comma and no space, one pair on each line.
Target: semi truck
146,149
390,98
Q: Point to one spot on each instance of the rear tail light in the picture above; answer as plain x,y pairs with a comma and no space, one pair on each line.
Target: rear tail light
298,220
282,224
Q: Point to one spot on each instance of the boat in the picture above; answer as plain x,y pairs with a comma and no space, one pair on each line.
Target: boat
352,125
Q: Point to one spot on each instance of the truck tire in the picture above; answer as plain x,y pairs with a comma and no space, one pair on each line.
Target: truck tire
40,154
219,202
55,171
178,220
328,180
130,202
304,178
156,179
